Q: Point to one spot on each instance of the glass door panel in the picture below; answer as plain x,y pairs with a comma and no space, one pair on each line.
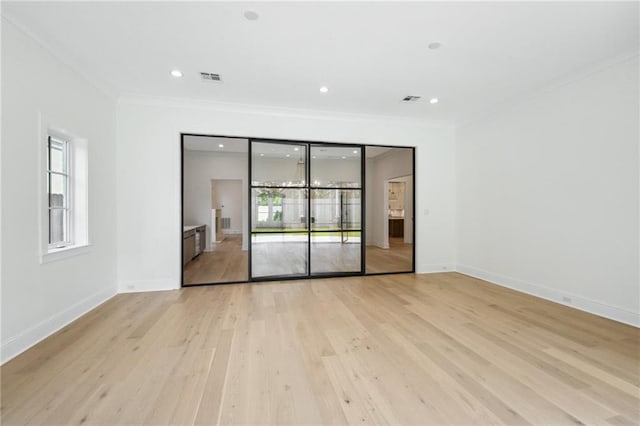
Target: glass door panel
279,210
335,167
335,252
279,254
336,209
278,164
215,235
390,203
279,204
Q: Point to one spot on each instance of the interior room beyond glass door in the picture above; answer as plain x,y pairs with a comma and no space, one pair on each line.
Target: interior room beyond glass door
390,209
279,220
214,210
336,209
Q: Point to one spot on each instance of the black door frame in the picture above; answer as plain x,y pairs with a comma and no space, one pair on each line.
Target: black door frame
308,144
308,161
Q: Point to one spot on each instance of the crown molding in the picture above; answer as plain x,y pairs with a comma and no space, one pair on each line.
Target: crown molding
281,111
276,111
95,82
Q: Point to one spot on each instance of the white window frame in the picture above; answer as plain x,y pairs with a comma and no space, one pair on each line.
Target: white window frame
68,202
77,193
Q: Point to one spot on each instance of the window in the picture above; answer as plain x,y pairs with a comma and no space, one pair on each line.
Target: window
64,197
269,205
58,193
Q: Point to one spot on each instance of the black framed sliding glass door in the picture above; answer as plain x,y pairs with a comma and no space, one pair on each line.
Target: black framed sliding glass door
279,205
264,210
336,209
306,210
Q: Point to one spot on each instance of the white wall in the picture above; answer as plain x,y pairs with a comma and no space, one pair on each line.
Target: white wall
200,167
38,299
548,194
148,221
230,197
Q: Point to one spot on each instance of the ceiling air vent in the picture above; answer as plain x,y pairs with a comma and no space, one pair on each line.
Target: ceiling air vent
410,98
209,76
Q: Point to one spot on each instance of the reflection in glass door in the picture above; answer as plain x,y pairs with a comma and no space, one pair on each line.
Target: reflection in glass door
306,209
279,229
336,209
214,211
390,210
299,214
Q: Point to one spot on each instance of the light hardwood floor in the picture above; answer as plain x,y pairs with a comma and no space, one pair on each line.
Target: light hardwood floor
398,349
291,258
397,258
226,263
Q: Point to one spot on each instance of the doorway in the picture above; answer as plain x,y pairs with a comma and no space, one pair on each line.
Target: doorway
308,209
214,206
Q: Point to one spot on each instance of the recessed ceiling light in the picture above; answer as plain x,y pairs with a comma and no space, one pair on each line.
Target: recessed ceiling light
176,73
344,158
435,45
313,156
220,145
355,151
296,149
251,15
434,100
288,155
324,89
261,155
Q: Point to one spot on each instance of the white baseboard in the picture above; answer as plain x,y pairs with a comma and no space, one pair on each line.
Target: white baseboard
429,268
615,313
17,344
232,231
148,285
381,244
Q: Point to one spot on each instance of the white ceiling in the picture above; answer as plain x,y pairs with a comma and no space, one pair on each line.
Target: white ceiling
370,55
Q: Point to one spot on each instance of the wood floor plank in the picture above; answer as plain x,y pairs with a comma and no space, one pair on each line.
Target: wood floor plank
399,349
596,372
208,407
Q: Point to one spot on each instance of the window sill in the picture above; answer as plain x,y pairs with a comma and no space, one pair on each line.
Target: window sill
64,253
